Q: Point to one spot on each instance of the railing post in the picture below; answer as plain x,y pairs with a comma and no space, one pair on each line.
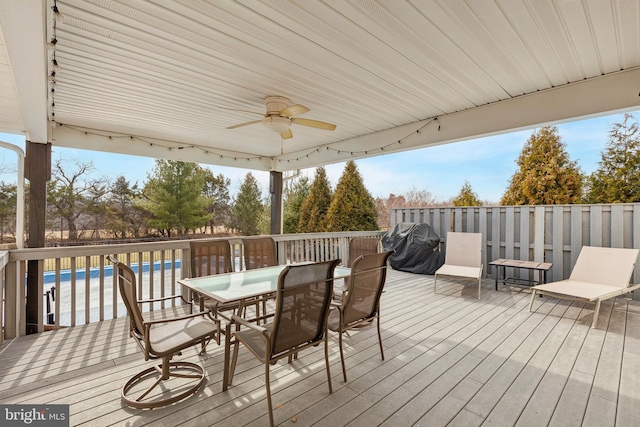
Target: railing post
13,307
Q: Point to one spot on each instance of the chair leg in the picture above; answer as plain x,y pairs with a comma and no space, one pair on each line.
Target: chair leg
344,370
435,280
234,360
380,336
479,286
227,375
326,360
533,296
266,377
596,310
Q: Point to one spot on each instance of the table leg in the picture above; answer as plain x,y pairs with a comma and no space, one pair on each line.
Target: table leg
497,273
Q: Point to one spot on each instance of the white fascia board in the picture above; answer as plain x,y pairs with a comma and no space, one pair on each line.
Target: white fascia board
23,27
594,97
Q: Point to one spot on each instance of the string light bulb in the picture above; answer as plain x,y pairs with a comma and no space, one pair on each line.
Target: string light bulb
56,13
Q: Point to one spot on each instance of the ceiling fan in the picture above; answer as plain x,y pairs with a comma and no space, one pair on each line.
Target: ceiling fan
279,117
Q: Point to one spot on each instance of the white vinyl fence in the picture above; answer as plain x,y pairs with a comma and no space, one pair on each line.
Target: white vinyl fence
537,233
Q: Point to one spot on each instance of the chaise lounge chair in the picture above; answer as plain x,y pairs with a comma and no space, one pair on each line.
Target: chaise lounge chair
463,257
599,274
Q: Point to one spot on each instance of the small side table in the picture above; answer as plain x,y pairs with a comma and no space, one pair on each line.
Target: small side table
540,267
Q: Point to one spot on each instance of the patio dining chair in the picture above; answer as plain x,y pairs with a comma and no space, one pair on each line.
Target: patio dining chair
360,304
162,338
209,257
259,252
303,298
362,246
599,274
463,257
357,246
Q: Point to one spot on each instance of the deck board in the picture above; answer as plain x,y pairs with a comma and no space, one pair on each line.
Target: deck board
450,359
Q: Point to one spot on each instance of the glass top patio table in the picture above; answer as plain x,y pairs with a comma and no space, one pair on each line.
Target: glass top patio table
237,286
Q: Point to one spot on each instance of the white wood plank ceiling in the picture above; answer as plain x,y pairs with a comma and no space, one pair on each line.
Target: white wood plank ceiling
158,77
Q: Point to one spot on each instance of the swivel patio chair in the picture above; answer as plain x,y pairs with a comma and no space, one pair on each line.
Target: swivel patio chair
463,257
361,302
161,338
599,274
303,298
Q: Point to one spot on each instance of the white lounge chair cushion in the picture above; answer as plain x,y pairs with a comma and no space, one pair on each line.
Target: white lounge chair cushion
459,270
578,289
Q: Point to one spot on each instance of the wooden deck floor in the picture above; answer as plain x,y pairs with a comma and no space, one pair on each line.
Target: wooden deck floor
451,359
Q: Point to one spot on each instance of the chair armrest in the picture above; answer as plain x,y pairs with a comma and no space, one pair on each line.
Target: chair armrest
174,319
243,322
142,301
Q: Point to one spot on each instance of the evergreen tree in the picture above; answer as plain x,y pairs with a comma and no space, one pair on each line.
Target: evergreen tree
294,196
173,196
264,222
313,212
217,189
466,197
545,176
352,207
617,179
247,211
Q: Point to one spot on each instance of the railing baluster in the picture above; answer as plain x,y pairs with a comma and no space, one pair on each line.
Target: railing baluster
173,274
162,277
58,294
141,294
151,271
87,290
73,291
101,286
114,290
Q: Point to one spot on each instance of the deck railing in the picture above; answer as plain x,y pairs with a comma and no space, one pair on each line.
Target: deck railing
551,233
79,285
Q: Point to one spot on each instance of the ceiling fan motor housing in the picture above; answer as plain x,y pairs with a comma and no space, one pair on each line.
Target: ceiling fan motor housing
275,104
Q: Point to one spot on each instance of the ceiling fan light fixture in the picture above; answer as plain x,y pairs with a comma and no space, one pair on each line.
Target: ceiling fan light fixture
276,123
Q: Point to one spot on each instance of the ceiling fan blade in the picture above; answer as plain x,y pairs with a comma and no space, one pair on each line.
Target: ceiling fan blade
293,110
286,134
313,123
242,111
244,124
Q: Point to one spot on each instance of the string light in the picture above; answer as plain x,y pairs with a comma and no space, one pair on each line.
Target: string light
369,151
208,151
55,67
168,145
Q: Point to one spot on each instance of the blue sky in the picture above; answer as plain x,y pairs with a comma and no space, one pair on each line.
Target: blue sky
487,163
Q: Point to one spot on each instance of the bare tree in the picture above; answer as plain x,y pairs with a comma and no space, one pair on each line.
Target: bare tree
71,195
